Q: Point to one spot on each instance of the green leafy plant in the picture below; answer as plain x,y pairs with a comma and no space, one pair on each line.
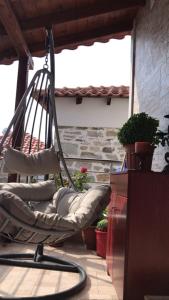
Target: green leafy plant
81,179
103,214
102,225
102,221
139,128
58,181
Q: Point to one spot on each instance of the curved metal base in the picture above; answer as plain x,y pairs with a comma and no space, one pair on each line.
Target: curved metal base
35,261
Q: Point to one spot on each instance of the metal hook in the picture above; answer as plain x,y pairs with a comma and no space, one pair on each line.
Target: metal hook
46,66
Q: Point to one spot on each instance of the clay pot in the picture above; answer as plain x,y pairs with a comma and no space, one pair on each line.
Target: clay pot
144,151
143,147
132,160
89,237
101,243
139,156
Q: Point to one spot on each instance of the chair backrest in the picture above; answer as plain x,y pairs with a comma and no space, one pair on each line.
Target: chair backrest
40,163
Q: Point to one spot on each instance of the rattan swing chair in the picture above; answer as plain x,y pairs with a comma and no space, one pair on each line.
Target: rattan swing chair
56,214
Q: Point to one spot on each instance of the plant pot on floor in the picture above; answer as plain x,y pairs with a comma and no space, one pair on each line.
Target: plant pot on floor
89,237
101,243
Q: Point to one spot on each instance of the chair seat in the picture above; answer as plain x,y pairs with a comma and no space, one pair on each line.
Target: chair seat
52,220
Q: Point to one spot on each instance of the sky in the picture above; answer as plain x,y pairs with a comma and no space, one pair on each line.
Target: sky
101,64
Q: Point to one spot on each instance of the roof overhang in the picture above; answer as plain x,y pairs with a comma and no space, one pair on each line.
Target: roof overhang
74,23
109,93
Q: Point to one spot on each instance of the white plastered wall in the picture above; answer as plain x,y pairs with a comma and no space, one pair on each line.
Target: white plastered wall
152,66
93,112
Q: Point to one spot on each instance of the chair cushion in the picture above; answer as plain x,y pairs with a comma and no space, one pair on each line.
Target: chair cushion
40,191
73,211
42,162
16,207
82,209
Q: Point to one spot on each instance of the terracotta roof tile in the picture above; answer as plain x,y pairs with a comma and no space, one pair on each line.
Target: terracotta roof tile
25,147
91,91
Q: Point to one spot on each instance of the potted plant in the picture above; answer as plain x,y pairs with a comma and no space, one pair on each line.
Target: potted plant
89,234
81,180
101,237
89,237
139,136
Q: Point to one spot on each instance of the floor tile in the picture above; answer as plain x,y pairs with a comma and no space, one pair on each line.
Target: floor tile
22,282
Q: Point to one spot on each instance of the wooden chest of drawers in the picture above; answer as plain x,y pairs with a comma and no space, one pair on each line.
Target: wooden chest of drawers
138,234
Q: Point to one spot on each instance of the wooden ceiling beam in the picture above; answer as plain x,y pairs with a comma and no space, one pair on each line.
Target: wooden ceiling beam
108,98
68,41
59,16
79,99
62,16
65,42
14,32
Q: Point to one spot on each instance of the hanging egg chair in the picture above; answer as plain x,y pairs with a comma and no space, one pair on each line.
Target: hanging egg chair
39,213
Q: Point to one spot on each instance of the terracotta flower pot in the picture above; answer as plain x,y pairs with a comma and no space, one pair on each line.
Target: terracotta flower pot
89,237
143,147
101,242
144,151
132,160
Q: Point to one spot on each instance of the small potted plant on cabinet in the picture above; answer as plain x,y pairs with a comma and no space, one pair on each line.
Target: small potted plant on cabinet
101,237
139,136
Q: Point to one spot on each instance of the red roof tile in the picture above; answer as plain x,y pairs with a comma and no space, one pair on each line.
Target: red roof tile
25,147
91,91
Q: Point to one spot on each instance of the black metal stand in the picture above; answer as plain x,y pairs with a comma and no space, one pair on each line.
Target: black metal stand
41,261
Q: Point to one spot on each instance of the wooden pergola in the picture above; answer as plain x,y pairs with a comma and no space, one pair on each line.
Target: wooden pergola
73,22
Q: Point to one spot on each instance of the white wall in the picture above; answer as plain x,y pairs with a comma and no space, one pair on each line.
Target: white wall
93,112
152,66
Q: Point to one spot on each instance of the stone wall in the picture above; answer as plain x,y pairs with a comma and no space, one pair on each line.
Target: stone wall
152,66
97,149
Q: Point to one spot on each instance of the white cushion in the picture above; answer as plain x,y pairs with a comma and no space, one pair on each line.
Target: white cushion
42,162
40,191
81,211
16,207
73,210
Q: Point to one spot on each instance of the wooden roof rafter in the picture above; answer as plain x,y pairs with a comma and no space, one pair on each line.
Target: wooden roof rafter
78,38
74,22
85,37
61,16
14,31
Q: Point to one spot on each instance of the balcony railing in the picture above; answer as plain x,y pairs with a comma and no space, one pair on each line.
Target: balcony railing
98,169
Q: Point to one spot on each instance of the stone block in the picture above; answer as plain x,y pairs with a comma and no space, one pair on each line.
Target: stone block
111,133
94,133
69,148
94,149
83,147
90,155
107,149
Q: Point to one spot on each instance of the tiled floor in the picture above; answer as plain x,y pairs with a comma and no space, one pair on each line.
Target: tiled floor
16,281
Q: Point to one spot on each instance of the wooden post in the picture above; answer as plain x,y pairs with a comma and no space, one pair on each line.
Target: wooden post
133,60
22,82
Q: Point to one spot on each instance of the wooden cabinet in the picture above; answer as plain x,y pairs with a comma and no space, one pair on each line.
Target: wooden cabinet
138,234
